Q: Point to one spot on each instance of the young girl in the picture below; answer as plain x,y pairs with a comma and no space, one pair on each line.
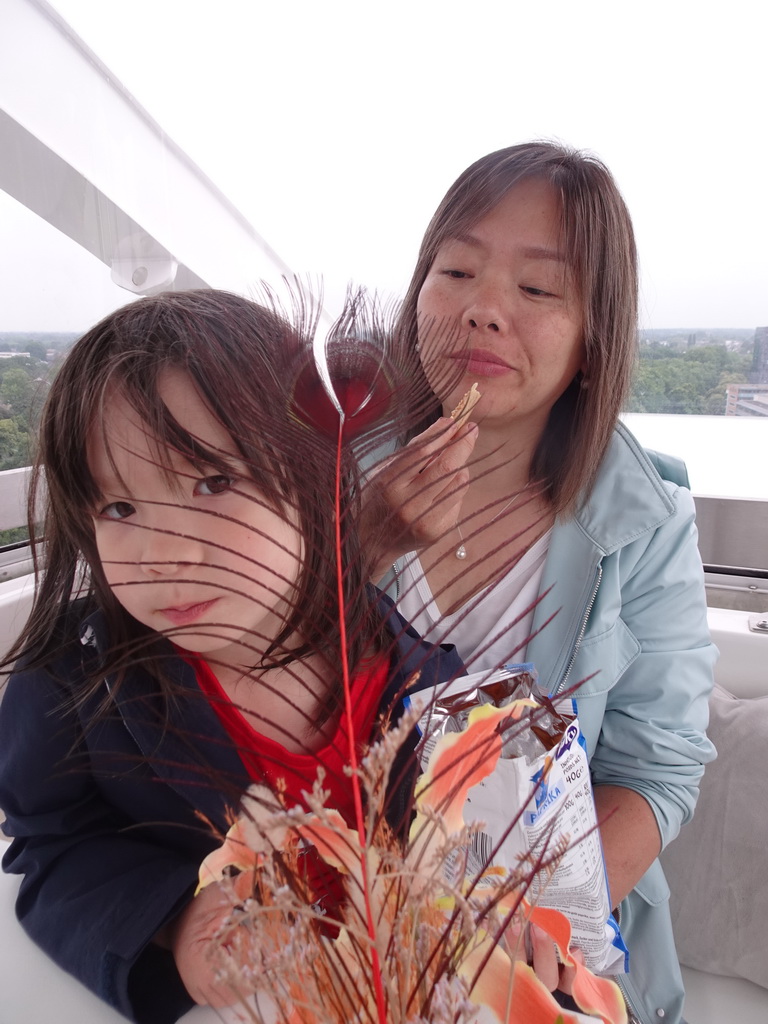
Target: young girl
188,507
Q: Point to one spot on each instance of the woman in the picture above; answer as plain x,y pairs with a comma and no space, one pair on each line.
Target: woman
545,521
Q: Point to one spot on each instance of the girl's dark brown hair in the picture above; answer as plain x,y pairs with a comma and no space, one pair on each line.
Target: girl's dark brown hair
245,361
599,244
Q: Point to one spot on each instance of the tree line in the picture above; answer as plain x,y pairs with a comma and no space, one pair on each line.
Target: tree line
677,378
24,381
690,380
682,380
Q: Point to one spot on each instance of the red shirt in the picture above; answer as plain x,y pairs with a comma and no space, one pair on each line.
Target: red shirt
266,760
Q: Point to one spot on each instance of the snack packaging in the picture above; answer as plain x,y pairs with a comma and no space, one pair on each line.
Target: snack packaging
537,804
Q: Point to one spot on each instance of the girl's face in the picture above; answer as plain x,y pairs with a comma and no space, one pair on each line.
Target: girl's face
192,554
504,291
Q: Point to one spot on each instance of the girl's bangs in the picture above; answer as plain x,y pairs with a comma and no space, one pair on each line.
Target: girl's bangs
168,440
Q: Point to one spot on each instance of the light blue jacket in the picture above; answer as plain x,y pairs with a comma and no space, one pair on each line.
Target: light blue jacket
627,588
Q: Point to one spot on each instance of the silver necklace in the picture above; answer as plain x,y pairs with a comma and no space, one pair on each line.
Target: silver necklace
461,551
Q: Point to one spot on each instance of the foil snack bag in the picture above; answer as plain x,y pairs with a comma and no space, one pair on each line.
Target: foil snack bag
543,778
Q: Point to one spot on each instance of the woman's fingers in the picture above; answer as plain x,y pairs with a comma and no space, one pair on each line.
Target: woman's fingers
414,498
431,517
568,972
544,956
529,943
427,459
443,442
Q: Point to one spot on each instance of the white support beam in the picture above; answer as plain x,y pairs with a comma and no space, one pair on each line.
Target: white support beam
77,149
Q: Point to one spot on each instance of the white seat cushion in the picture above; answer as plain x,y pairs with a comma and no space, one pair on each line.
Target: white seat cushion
34,990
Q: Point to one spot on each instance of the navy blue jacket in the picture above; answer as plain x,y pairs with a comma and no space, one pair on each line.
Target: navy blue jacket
111,816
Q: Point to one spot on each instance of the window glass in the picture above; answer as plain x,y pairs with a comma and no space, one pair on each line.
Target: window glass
53,290
703,395
321,168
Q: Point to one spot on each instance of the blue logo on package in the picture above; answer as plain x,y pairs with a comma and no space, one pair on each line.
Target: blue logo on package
545,794
542,786
570,735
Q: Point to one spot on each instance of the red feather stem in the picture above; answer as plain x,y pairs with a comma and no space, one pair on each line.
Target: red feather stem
355,778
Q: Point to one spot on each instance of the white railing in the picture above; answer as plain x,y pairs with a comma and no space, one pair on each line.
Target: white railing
113,200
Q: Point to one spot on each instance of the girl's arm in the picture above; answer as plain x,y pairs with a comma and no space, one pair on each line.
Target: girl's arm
96,888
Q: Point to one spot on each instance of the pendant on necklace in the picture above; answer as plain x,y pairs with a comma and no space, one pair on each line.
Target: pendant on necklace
461,552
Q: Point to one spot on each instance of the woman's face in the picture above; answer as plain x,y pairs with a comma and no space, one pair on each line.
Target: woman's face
498,307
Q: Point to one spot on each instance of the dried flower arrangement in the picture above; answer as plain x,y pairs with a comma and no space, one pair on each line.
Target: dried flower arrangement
415,932
409,945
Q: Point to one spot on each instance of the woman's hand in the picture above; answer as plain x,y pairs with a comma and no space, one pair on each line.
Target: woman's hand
535,947
414,497
191,937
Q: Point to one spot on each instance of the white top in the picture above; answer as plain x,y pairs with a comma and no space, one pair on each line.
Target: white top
492,628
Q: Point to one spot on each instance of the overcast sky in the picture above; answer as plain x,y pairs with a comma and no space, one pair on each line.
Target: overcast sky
337,126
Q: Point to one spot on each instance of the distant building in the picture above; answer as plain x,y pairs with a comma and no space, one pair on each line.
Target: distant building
759,374
752,399
10,355
746,400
